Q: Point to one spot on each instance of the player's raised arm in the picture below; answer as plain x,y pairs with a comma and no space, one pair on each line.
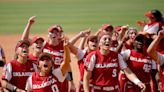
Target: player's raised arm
65,64
132,77
81,34
26,31
152,48
84,34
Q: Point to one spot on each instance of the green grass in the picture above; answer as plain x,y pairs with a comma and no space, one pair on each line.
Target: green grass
72,15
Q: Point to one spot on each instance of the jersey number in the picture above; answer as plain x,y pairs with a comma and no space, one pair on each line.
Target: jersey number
114,73
55,88
147,68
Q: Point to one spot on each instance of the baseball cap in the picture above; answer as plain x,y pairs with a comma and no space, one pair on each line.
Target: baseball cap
105,26
34,39
55,28
42,55
154,14
149,14
21,42
102,34
117,28
92,38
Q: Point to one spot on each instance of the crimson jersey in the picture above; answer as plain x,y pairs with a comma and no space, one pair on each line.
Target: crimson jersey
17,73
81,56
56,51
153,28
162,71
50,83
140,64
33,59
104,68
129,46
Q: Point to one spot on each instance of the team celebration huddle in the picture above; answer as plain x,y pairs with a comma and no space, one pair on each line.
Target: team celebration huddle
114,59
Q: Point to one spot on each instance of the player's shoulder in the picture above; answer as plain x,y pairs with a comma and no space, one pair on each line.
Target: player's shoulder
35,75
92,53
13,61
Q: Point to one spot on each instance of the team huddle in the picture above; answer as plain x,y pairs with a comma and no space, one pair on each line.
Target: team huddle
114,59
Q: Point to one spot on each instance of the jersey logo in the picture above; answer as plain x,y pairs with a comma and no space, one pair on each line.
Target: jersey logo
44,84
106,65
52,52
140,59
22,73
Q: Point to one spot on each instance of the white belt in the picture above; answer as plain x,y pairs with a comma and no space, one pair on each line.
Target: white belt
90,85
109,88
131,83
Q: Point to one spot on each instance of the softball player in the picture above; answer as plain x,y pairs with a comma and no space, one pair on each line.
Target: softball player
16,72
44,80
36,42
82,53
103,65
140,64
154,24
158,57
54,46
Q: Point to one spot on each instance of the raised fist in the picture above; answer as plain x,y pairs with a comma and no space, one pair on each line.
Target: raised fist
32,19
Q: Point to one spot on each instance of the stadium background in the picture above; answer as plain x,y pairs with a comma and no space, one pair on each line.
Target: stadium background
73,15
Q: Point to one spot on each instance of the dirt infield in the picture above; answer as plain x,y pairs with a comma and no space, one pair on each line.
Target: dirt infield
8,42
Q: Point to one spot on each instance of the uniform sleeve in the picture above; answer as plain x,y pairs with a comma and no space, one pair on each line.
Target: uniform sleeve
80,54
161,58
29,84
125,54
90,62
58,74
154,65
35,67
152,29
122,63
7,72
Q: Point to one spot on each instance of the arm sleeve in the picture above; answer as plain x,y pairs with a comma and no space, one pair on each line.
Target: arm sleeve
161,58
58,74
90,62
7,72
154,65
152,29
29,83
125,54
35,67
80,54
122,63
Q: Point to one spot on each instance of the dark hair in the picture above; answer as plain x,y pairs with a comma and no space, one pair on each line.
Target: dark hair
157,14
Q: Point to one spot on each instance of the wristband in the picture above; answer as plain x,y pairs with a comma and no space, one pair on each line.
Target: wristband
136,81
11,87
15,88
